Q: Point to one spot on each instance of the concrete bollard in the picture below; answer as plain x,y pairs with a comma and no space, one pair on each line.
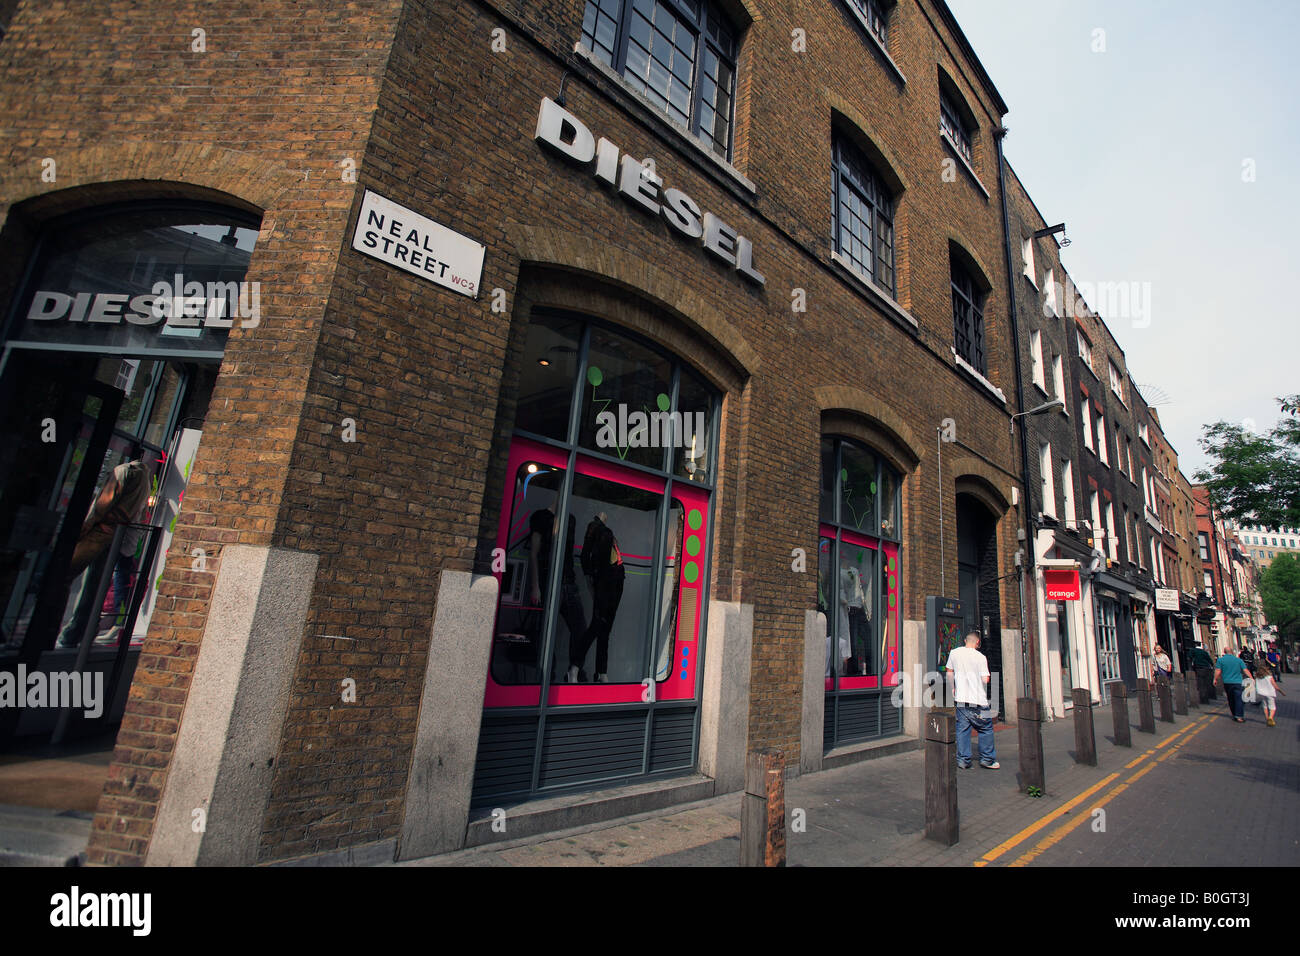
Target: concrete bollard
1029,726
762,810
941,776
1166,697
1180,695
1146,716
1193,684
1119,711
1085,742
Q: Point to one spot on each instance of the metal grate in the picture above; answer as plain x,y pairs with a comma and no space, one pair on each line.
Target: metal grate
672,739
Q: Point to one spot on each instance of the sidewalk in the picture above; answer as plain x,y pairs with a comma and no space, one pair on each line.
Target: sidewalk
865,814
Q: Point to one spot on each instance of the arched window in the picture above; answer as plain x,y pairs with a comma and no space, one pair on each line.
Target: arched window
863,227
609,480
858,590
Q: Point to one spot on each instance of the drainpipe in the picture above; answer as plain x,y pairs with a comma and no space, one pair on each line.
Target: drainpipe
1034,684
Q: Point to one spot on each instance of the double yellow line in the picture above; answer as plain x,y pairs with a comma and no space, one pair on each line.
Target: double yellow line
1056,835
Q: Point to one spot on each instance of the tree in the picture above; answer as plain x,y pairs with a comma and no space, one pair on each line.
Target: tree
1254,478
1279,588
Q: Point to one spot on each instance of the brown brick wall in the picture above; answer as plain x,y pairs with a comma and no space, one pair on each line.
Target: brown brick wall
427,374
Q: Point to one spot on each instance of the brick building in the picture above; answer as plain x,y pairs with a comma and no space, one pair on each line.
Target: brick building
466,246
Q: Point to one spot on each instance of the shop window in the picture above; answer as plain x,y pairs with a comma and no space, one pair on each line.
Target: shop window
858,588
681,54
615,497
863,227
117,337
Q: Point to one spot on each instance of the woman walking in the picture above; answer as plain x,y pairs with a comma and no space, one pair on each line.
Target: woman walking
1267,690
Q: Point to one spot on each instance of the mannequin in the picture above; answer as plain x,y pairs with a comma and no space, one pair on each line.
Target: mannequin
543,524
603,564
121,501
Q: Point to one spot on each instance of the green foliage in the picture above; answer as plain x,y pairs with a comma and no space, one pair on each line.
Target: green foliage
1279,588
1255,478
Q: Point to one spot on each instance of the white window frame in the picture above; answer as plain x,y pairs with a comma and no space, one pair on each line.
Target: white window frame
1094,507
1067,491
1116,382
1112,542
1102,453
1036,359
1027,255
1058,381
1086,414
1085,350
1047,481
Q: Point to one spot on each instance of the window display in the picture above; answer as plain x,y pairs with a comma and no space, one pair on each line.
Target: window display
858,586
620,621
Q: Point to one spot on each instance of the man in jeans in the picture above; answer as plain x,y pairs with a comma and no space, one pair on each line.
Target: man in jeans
1232,672
970,678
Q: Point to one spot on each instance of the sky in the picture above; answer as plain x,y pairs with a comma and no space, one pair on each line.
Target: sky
1168,145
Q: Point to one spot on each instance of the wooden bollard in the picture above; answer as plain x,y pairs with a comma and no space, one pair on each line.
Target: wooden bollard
1085,743
1165,695
1146,716
762,812
941,776
1029,726
1192,680
1180,694
1119,710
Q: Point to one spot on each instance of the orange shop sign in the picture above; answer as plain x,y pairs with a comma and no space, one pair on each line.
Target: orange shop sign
1061,584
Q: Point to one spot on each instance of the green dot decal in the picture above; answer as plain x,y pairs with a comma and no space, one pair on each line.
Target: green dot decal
893,582
691,573
692,546
892,601
844,474
873,487
695,519
891,564
594,376
662,402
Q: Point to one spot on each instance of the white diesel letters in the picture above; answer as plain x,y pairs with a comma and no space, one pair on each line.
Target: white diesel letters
638,184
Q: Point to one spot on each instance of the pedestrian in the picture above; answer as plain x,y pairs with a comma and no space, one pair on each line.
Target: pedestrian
1232,672
1162,665
1247,657
1267,690
1203,665
970,679
1274,662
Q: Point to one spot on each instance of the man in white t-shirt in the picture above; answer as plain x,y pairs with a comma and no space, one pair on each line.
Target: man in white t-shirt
970,678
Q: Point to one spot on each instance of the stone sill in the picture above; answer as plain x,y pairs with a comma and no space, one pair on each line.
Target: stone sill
970,170
880,47
975,374
877,294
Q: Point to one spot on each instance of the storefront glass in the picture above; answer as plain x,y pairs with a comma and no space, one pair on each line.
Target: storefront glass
858,591
111,347
605,532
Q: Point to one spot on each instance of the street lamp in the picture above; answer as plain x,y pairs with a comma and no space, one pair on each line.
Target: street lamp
1051,406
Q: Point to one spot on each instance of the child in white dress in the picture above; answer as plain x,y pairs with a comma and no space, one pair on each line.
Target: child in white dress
1267,690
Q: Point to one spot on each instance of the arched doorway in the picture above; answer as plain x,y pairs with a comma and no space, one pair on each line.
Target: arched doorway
977,580
110,351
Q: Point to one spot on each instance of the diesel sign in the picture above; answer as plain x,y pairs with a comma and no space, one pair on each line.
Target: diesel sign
638,184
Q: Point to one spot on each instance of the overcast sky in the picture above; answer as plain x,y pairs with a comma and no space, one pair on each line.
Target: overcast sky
1141,150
